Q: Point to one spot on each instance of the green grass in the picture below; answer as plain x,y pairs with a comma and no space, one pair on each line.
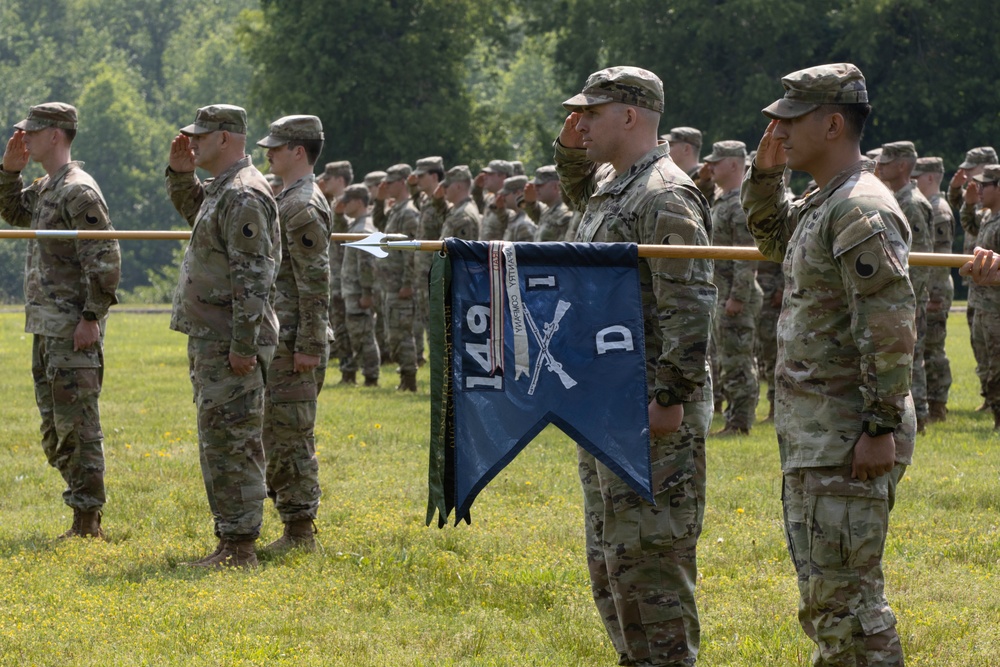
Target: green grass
511,589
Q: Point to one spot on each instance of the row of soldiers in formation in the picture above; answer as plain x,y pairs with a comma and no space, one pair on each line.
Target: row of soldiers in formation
501,203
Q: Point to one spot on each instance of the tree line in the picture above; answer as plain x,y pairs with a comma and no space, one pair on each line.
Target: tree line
394,80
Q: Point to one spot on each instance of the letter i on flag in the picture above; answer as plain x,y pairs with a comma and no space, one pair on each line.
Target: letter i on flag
524,335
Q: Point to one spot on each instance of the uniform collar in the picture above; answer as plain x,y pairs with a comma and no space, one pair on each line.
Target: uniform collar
621,182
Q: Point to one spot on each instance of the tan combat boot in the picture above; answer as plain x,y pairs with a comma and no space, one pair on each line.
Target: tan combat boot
74,529
298,535
234,553
204,559
407,382
937,412
90,524
348,377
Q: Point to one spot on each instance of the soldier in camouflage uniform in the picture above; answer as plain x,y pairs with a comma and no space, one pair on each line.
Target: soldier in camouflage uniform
332,182
426,176
685,149
396,274
928,174
516,222
302,306
69,285
358,287
644,588
844,417
985,191
224,303
516,168
976,159
484,191
544,205
894,167
772,284
453,200
740,296
372,180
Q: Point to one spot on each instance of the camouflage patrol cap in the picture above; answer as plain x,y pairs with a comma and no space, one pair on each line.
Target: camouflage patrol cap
545,174
292,128
928,165
978,156
373,178
397,172
991,174
807,89
218,117
356,191
514,184
897,149
50,114
873,153
517,168
456,174
628,85
723,149
341,168
427,164
687,135
499,167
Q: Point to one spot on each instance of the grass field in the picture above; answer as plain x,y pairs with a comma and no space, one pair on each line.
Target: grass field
511,589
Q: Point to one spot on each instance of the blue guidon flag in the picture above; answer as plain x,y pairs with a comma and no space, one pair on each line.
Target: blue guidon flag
529,334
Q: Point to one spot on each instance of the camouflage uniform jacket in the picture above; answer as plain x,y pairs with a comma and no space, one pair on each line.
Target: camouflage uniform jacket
396,271
338,226
943,225
846,330
357,275
972,217
654,202
226,285
63,276
736,280
490,226
516,227
987,298
461,220
302,287
429,229
919,214
552,221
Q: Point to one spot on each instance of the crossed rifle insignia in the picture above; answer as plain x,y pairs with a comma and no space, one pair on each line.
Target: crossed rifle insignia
544,340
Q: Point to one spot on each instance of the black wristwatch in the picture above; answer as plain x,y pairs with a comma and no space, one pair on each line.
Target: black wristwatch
89,315
664,398
874,430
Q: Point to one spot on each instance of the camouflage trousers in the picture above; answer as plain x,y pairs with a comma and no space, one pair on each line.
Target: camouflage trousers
399,332
67,388
979,350
936,365
918,385
767,344
364,348
714,367
835,528
341,347
736,340
230,421
421,317
641,557
292,471
987,328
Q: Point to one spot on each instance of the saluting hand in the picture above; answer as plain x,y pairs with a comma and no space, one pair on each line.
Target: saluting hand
382,192
181,155
770,152
569,137
15,157
530,193
971,195
438,192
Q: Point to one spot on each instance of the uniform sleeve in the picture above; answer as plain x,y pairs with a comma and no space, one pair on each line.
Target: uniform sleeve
307,242
186,193
409,225
577,174
15,204
379,217
249,224
969,217
100,259
941,287
534,209
744,273
478,196
770,216
871,251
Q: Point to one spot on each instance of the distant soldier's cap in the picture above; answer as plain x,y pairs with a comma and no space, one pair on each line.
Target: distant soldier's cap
517,168
499,167
373,178
723,149
991,174
218,117
426,164
628,85
897,149
978,156
292,128
545,174
457,174
356,191
686,135
873,153
807,89
514,184
50,114
397,172
341,168
928,165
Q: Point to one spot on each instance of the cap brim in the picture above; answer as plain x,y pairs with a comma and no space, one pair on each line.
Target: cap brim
785,109
271,141
964,165
580,101
30,125
195,129
714,158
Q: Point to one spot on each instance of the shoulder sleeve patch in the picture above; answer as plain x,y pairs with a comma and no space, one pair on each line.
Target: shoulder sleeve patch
249,225
86,210
866,257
